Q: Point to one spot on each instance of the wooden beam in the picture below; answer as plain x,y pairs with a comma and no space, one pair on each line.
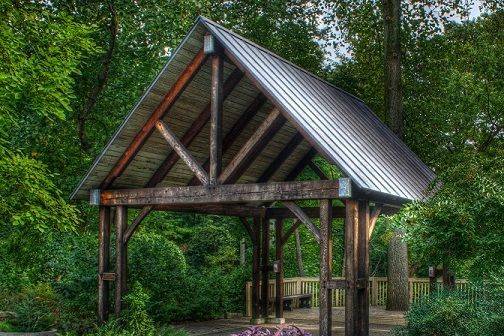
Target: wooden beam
103,263
375,213
121,259
237,129
232,193
289,148
193,131
311,212
238,210
252,148
325,297
351,255
291,230
136,222
317,171
303,218
168,100
184,154
362,315
216,119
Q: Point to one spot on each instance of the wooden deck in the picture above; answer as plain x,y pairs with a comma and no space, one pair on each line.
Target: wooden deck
381,321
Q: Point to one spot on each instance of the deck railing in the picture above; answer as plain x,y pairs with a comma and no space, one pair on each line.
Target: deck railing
418,287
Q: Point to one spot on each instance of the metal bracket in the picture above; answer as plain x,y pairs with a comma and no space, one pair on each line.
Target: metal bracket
209,44
94,196
345,187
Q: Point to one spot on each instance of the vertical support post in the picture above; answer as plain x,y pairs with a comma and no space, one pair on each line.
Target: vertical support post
279,272
265,267
351,242
216,114
256,270
103,263
325,308
120,279
362,316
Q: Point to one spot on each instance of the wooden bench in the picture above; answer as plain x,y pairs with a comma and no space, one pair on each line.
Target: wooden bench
304,301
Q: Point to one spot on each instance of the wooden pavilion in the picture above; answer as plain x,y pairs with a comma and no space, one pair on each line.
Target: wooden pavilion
225,128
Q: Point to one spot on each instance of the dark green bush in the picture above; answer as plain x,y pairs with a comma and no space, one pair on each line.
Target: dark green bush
160,266
454,313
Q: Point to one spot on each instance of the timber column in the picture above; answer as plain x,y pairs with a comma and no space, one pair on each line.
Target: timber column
103,263
362,316
256,270
279,273
351,244
265,267
121,258
325,309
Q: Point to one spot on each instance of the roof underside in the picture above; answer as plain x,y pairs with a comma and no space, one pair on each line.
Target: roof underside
338,125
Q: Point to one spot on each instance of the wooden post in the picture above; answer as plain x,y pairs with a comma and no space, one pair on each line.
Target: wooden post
351,242
265,267
256,270
362,316
120,279
325,308
103,263
216,116
279,273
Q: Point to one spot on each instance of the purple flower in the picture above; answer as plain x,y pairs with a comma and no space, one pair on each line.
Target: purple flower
283,330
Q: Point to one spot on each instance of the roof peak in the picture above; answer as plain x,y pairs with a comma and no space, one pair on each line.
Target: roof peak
206,20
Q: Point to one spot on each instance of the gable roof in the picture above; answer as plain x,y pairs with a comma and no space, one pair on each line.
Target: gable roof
338,125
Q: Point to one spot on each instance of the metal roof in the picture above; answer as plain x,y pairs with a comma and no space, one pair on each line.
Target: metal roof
340,126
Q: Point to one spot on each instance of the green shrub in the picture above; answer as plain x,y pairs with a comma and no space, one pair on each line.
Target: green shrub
36,308
454,313
159,265
212,246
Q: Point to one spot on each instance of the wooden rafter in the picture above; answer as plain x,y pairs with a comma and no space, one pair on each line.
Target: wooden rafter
294,173
252,148
231,193
237,128
281,157
303,218
193,131
169,99
184,154
317,170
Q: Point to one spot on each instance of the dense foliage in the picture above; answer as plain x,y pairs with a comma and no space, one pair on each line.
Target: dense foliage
70,71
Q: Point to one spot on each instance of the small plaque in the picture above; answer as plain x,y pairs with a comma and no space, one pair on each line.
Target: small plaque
432,272
276,266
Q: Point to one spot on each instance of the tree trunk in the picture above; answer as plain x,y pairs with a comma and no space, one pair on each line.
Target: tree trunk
398,298
393,87
299,256
397,289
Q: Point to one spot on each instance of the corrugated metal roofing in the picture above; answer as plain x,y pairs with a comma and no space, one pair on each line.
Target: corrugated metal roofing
340,126
336,123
